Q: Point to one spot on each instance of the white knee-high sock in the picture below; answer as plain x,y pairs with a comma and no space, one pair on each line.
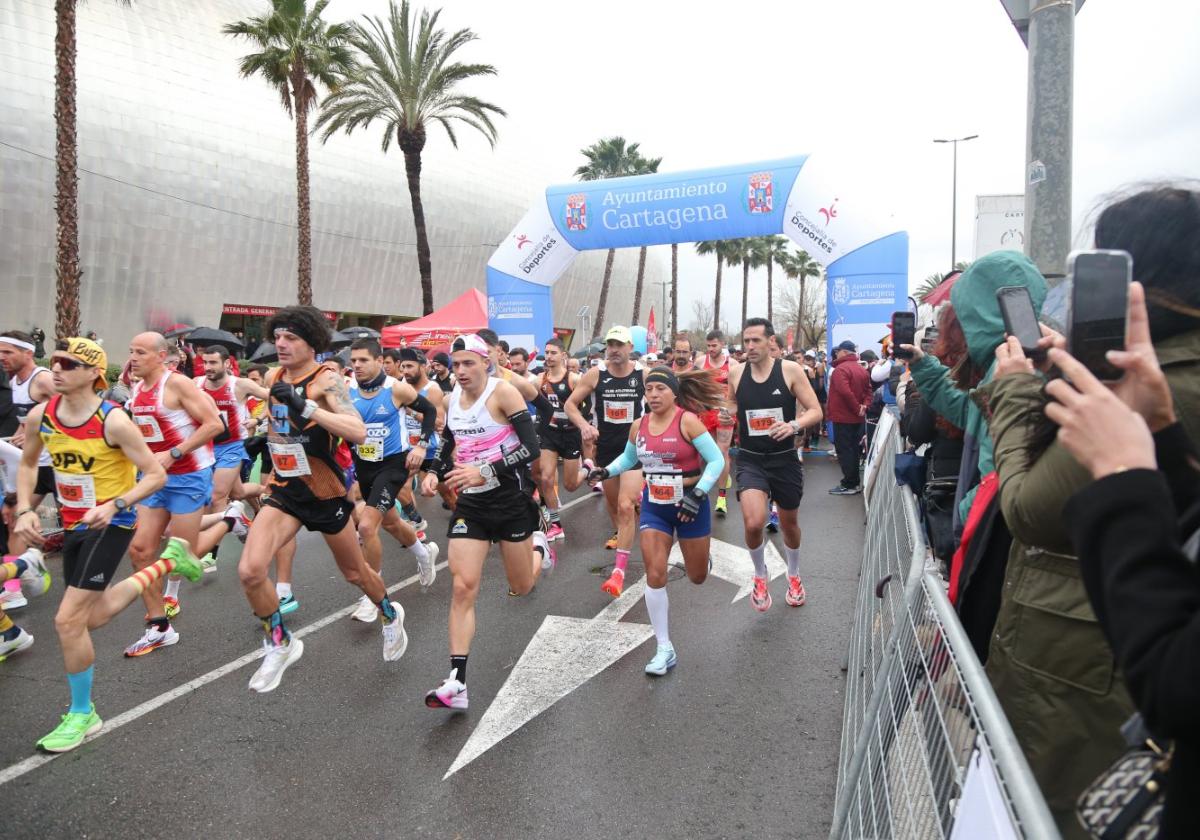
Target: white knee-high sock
419,550
758,555
793,560
656,604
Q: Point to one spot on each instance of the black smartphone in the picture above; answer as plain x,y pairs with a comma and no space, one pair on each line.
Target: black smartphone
930,339
1016,307
904,331
1099,305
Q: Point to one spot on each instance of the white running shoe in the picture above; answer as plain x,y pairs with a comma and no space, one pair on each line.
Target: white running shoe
241,523
35,578
451,694
427,568
549,559
16,644
395,638
13,600
366,611
152,640
276,659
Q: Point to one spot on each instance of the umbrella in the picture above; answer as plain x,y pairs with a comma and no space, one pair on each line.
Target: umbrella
596,347
358,332
204,336
177,330
339,340
941,292
265,354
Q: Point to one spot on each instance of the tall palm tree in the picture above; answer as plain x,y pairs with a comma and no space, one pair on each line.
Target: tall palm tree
767,251
66,170
645,166
611,157
726,251
742,251
798,265
674,291
407,78
297,50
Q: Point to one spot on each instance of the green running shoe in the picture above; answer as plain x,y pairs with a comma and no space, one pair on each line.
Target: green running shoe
186,563
70,733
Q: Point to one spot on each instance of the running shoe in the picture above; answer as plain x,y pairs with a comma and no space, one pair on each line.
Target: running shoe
598,488
186,563
170,606
549,558
795,596
208,563
612,542
12,599
760,598
721,507
615,583
288,604
241,523
276,660
366,611
152,640
663,661
422,537
395,639
35,578
773,521
420,524
69,734
451,694
16,644
555,532
427,568
844,491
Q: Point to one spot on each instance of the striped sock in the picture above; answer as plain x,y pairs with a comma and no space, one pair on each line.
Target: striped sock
5,623
11,569
161,566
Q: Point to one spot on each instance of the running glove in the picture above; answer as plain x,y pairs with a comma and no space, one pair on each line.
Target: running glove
597,474
285,394
689,508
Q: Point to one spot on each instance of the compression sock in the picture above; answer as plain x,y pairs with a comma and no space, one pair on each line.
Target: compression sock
272,624
622,560
81,690
171,590
758,556
12,568
793,560
411,512
145,577
283,590
386,610
419,550
656,605
458,668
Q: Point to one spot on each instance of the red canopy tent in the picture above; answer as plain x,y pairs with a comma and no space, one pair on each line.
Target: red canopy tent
465,314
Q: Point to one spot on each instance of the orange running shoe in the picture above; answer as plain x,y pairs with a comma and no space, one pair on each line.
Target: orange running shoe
612,542
615,583
760,598
170,606
795,595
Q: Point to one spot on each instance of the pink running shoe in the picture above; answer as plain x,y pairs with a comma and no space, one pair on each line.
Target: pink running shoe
795,596
555,532
451,694
760,598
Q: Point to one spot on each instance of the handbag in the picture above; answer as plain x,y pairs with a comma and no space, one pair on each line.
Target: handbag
1126,801
910,469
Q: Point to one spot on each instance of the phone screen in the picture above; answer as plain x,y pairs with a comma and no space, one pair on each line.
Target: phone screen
904,331
1099,303
1019,318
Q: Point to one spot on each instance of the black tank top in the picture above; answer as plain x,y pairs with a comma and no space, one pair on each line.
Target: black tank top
304,467
759,406
618,403
556,394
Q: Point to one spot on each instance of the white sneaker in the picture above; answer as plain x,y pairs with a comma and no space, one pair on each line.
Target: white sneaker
276,659
13,600
395,638
549,559
21,641
366,611
35,578
427,568
152,640
241,523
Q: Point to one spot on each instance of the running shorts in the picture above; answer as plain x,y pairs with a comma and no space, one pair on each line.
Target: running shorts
780,476
45,482
565,440
229,456
610,450
381,483
183,493
91,556
665,518
503,515
327,516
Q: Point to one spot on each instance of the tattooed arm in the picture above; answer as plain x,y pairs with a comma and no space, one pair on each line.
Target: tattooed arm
335,412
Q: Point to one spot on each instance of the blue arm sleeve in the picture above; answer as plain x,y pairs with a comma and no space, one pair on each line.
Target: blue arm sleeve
624,461
714,461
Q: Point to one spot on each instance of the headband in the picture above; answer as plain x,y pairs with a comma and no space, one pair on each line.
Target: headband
296,329
666,377
16,342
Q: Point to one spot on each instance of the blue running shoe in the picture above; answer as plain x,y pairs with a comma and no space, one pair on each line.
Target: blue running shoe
663,661
773,521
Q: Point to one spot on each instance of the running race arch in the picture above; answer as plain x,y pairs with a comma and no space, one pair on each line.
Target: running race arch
803,197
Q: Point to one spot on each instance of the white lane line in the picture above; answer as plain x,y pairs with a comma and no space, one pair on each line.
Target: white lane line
35,761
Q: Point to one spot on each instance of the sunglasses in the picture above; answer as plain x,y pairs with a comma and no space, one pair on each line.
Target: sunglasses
68,364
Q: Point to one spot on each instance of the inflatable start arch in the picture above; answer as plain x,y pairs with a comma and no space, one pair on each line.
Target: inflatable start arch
866,264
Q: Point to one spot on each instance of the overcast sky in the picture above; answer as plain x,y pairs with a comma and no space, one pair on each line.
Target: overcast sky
705,83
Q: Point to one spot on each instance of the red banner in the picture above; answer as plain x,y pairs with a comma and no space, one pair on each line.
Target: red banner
262,311
651,334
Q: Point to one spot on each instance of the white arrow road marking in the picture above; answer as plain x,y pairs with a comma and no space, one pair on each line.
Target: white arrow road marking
563,655
732,563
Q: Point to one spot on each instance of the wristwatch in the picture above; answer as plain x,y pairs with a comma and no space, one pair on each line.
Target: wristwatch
120,504
487,472
424,443
176,453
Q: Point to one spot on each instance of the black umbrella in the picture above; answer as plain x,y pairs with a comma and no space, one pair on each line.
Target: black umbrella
202,337
358,332
339,340
265,354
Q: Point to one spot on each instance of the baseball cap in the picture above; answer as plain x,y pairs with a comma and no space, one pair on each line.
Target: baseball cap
847,345
88,352
620,334
810,354
471,343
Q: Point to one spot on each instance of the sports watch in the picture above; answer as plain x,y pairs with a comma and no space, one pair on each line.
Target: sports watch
176,453
487,472
120,504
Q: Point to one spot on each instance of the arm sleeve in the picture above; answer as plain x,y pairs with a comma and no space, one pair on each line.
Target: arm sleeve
714,461
428,416
544,409
624,461
445,457
527,451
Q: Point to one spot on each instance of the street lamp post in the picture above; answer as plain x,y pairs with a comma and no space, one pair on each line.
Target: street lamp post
954,197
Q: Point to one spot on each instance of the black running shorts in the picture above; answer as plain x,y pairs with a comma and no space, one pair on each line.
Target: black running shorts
609,450
45,482
780,476
91,556
501,515
327,516
380,483
565,440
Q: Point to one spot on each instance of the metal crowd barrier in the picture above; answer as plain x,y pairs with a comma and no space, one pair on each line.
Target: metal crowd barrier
926,750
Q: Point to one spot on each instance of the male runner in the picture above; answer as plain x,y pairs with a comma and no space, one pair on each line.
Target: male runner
489,444
717,358
384,462
178,422
310,413
96,451
619,390
766,393
558,437
413,368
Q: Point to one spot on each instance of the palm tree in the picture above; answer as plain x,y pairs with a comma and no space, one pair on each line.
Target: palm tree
726,251
608,158
934,280
66,170
645,166
742,251
407,78
767,251
798,265
297,49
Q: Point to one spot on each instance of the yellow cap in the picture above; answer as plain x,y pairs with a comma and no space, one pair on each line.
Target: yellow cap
620,334
89,353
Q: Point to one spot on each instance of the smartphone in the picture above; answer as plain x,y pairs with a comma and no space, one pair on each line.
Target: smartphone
1016,307
1099,304
929,340
904,331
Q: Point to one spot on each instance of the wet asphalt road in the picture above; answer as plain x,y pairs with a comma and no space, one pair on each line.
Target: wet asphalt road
740,740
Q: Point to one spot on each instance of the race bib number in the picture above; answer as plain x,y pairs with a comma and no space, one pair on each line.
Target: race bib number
75,491
618,412
370,451
760,420
151,433
665,489
289,459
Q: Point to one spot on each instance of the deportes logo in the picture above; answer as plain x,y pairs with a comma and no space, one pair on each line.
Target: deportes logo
841,291
759,193
830,212
522,241
577,212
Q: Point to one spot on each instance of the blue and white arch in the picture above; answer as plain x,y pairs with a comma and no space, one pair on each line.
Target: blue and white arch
802,197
